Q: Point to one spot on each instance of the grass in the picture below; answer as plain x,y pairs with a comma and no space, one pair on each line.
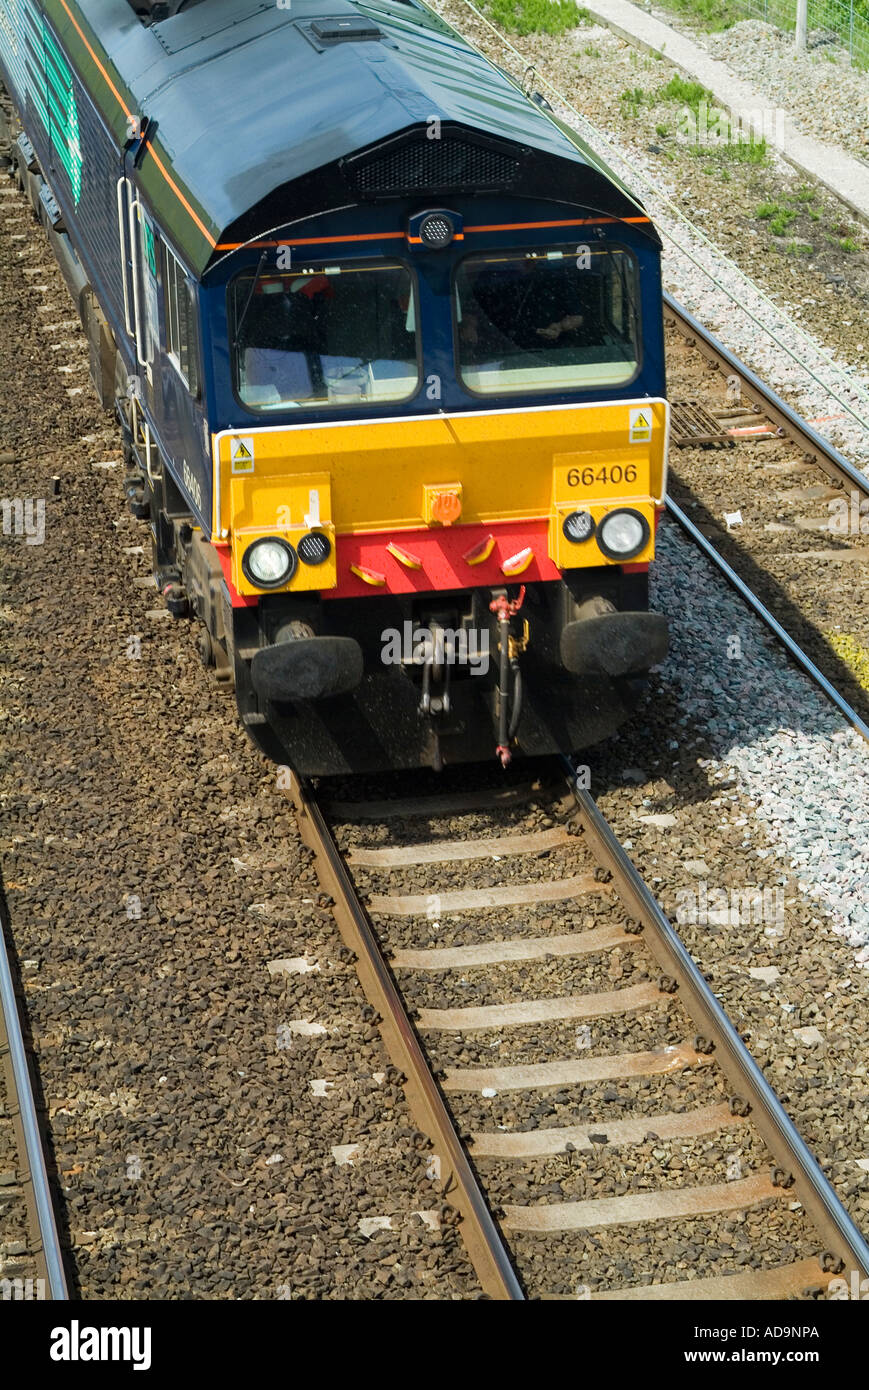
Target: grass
777,215
781,215
632,99
748,152
662,130
736,152
852,653
707,14
590,51
689,94
536,16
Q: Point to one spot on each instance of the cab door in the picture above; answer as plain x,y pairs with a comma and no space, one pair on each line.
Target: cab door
141,293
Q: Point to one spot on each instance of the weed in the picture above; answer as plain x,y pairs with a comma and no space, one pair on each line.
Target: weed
778,217
748,152
711,14
737,152
686,93
632,99
536,16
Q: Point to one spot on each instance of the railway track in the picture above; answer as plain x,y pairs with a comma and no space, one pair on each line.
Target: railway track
45,1252
783,418
598,1127
769,410
769,619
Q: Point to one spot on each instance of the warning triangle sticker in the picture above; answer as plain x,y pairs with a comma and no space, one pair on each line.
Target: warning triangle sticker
241,454
640,426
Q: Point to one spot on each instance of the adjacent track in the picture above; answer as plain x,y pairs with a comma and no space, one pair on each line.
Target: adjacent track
595,869
45,1246
815,447
769,619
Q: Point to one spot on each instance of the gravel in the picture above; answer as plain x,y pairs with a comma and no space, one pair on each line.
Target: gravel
804,772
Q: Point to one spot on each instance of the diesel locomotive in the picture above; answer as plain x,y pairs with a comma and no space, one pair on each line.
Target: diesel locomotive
385,342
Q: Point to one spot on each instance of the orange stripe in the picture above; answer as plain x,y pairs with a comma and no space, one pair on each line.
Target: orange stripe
393,236
311,240
128,114
418,241
180,196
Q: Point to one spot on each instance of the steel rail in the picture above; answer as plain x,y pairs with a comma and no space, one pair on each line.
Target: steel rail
836,1228
816,448
48,1254
478,1228
769,619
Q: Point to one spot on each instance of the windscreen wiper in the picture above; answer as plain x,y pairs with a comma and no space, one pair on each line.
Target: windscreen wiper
259,271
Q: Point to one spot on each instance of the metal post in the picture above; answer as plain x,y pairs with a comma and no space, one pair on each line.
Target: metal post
802,23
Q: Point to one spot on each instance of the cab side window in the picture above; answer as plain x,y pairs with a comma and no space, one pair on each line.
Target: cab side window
181,335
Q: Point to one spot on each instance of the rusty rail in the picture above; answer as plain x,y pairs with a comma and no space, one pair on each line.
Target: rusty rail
477,1226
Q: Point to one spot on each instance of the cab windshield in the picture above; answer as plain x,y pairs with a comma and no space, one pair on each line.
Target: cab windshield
335,335
547,320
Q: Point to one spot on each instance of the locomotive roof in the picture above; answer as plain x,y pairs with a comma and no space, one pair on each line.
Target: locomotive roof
248,96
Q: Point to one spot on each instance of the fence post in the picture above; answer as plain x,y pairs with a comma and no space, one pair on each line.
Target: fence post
802,22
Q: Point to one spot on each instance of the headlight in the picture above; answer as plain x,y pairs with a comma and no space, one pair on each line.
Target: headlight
269,563
623,534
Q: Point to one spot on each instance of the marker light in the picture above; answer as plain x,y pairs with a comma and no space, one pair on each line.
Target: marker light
578,527
269,563
623,534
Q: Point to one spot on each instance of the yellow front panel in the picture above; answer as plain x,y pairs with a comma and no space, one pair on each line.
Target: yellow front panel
379,469
390,475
